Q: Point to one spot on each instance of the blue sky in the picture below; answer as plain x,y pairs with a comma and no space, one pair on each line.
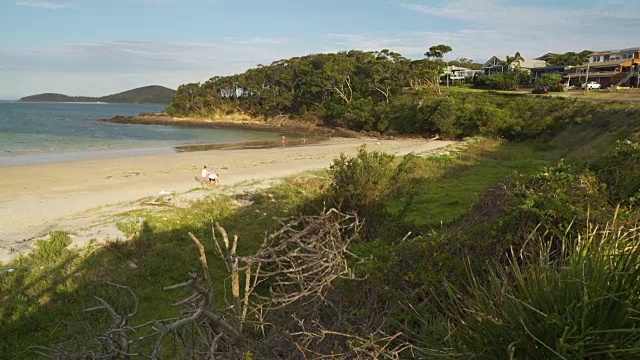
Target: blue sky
91,47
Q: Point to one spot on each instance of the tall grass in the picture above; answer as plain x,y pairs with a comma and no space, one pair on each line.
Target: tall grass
581,302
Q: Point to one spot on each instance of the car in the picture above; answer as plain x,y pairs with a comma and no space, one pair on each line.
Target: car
591,85
541,90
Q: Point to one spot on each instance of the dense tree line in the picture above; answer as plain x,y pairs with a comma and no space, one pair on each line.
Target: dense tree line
375,91
570,58
325,85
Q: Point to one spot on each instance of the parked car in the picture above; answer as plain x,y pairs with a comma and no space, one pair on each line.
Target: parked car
591,85
541,90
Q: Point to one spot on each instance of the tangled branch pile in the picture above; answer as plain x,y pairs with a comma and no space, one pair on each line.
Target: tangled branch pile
299,262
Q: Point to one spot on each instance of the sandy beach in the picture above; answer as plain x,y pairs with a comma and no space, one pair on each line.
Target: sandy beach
35,199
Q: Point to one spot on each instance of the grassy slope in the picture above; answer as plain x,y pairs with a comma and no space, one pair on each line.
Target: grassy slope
452,184
54,284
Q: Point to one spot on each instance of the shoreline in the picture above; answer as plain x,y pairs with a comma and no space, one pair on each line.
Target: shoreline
75,156
242,122
36,199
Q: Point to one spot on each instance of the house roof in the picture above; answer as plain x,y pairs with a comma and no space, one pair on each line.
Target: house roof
615,51
526,63
610,63
532,63
491,61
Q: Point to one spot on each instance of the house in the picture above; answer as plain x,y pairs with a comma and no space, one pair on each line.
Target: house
540,72
609,68
459,74
497,65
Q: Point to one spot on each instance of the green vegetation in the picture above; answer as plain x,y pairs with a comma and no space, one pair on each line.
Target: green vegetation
511,244
466,63
346,87
549,80
152,94
366,91
570,58
381,91
576,303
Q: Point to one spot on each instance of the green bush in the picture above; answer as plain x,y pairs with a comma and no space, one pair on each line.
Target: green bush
619,169
362,183
555,200
580,305
556,88
510,116
362,114
53,248
506,81
549,80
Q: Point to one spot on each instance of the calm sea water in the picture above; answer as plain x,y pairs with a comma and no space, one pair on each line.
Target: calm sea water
50,132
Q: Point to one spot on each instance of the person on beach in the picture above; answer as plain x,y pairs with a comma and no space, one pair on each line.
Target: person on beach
204,173
213,179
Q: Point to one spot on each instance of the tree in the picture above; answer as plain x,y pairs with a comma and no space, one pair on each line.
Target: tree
432,68
570,58
438,51
387,72
466,63
549,80
513,61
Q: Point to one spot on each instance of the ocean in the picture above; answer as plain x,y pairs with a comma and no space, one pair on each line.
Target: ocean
33,133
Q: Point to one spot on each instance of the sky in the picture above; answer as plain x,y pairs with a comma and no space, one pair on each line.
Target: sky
97,47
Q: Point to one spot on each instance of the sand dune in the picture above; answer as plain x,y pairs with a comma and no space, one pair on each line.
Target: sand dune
35,199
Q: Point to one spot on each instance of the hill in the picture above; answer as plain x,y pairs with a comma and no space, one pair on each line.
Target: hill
53,97
153,94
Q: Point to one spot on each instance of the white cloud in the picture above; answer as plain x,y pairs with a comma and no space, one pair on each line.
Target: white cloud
262,41
103,68
499,27
48,4
479,30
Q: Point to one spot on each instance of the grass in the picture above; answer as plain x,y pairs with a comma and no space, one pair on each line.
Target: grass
450,185
53,284
582,305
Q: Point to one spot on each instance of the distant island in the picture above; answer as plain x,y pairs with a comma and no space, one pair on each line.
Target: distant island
153,94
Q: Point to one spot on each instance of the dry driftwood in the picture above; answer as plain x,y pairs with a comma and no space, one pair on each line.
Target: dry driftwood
299,262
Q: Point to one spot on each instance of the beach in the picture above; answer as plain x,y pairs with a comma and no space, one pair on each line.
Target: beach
36,199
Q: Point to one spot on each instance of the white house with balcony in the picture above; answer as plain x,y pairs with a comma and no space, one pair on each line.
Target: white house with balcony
611,68
459,74
620,55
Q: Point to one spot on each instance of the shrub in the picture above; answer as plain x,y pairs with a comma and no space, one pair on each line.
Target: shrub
52,249
555,200
363,183
549,80
556,88
443,114
581,305
361,114
619,169
496,82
